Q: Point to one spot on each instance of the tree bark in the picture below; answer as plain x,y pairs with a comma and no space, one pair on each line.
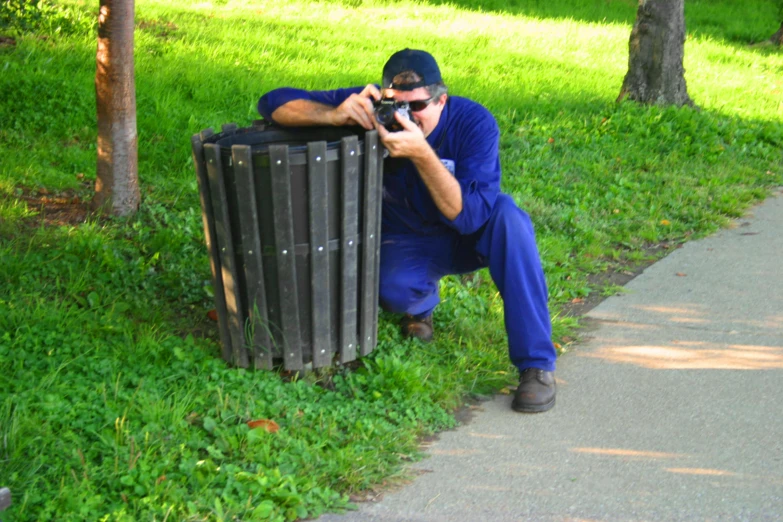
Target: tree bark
117,181
655,66
777,38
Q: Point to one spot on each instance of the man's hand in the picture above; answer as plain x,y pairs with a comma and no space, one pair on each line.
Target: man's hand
407,143
410,143
357,109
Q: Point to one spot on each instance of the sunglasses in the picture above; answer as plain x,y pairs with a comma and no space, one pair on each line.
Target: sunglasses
420,105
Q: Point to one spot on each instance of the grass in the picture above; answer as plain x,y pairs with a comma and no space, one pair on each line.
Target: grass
114,404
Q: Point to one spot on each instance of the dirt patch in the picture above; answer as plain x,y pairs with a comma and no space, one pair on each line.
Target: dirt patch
619,276
158,28
7,41
64,208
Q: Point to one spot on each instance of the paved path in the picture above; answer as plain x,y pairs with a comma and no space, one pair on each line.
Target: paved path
672,409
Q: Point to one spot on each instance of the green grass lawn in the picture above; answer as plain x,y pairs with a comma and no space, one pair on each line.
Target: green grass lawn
114,403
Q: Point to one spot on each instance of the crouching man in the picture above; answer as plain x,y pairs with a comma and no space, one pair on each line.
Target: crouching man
443,212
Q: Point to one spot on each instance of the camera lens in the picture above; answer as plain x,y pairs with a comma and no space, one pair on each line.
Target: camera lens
384,114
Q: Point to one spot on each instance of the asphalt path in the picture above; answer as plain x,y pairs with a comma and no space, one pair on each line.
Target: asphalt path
670,409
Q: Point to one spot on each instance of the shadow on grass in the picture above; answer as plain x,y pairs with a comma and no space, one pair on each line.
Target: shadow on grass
729,22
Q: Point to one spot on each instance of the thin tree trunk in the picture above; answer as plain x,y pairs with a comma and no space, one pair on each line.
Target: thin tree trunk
117,182
656,48
777,38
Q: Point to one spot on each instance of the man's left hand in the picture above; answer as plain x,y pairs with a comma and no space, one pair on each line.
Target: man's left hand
407,143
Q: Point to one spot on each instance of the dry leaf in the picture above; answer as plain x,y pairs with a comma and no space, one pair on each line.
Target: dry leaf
665,222
577,300
265,424
212,314
680,274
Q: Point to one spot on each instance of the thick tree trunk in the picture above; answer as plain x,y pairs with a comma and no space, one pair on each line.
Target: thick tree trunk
655,70
777,38
117,182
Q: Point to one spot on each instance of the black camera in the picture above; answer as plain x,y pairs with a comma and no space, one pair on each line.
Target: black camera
385,110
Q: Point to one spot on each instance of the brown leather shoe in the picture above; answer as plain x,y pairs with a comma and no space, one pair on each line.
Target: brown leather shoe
536,391
418,328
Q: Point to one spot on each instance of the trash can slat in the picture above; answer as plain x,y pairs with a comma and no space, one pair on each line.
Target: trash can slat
319,253
286,259
350,225
261,342
229,128
378,202
225,246
208,219
370,236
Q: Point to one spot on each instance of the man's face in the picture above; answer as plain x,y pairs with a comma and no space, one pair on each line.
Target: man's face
427,119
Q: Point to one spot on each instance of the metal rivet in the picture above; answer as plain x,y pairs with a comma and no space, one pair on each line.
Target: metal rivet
291,355
239,163
318,158
352,153
323,351
350,243
369,338
285,252
279,162
320,249
350,346
373,147
250,252
223,249
212,161
372,236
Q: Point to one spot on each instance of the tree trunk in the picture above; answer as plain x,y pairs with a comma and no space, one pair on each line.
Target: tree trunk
655,71
777,38
117,181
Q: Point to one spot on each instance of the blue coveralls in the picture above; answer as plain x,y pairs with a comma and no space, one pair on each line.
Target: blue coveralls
420,245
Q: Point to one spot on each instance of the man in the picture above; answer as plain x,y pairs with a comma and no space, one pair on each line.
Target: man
443,212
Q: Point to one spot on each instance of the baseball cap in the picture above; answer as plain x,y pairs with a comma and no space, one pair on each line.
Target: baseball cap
420,62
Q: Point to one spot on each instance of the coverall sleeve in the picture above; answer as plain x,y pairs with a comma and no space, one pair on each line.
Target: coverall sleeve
477,170
270,101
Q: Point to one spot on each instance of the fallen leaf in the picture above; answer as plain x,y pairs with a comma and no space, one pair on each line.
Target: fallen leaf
577,300
265,424
505,391
551,140
212,314
680,274
558,346
665,222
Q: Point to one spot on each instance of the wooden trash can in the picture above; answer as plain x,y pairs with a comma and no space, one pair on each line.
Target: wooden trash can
292,225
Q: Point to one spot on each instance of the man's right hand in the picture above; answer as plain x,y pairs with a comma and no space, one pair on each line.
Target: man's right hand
358,109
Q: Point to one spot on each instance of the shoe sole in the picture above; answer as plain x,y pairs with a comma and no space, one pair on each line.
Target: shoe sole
534,408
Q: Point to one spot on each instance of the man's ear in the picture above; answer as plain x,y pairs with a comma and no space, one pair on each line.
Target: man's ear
442,99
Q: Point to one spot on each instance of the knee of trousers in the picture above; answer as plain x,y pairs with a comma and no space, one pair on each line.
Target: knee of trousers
395,292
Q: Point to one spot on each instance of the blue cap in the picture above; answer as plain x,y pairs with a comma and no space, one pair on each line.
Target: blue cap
420,62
